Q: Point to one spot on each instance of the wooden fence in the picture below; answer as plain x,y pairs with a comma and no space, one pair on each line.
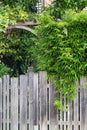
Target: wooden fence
26,103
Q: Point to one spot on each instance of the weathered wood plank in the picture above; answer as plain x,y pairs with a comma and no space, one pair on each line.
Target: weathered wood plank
43,96
14,103
7,102
0,104
23,102
36,101
61,112
83,103
65,116
4,102
70,116
53,111
31,101
76,108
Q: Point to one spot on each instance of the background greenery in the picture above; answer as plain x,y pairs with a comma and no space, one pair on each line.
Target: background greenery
15,45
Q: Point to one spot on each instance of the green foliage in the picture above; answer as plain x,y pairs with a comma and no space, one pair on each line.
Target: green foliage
16,52
9,16
28,5
59,7
15,45
62,50
3,69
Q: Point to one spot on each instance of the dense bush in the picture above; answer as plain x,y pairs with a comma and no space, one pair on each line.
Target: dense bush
58,7
15,45
62,49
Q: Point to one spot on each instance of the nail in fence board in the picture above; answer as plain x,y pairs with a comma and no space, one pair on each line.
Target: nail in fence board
43,96
23,102
53,111
31,101
0,104
14,103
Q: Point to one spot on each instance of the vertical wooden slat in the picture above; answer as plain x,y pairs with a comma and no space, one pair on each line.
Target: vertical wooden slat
64,112
4,102
83,103
7,102
23,102
76,108
43,96
14,103
0,104
70,116
35,101
31,101
61,112
67,113
53,111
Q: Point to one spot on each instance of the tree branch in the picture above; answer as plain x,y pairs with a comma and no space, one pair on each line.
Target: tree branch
23,28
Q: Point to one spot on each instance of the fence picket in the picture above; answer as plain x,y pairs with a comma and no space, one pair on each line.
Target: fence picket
70,116
36,101
76,109
84,103
53,111
14,103
0,104
4,102
23,102
43,97
7,102
31,101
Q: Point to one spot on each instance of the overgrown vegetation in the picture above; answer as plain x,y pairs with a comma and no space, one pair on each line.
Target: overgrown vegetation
62,50
15,45
28,5
59,7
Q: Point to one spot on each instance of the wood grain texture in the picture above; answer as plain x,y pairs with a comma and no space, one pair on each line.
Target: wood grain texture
43,96
23,102
4,102
7,102
14,104
83,103
53,111
31,101
76,108
39,96
36,100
